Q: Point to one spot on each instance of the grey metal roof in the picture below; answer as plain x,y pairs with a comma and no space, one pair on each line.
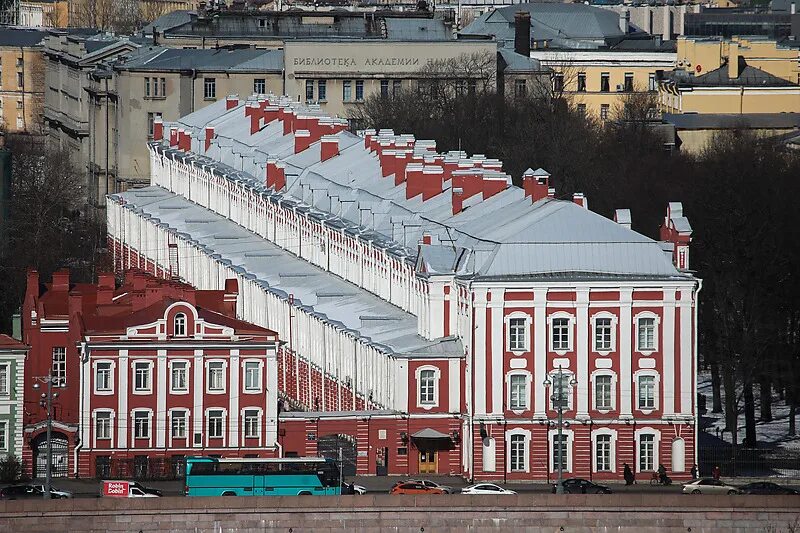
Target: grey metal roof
24,37
748,76
695,121
156,58
317,291
168,21
515,62
404,29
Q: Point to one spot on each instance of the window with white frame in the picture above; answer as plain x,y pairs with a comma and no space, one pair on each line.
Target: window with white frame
646,333
603,392
59,366
180,325
3,435
216,376
179,424
102,425
647,443
517,453
142,378
560,451
427,386
560,333
518,385
141,425
603,334
4,377
647,392
251,423
179,376
102,377
252,376
602,453
518,334
216,423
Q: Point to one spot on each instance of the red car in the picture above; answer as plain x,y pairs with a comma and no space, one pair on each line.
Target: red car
414,487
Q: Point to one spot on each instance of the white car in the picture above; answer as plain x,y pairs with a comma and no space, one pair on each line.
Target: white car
709,486
358,489
55,493
486,488
433,485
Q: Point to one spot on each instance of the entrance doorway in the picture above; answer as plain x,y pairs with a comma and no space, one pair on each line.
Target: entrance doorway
428,462
382,462
59,446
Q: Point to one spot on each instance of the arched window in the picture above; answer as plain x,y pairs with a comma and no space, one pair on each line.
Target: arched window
180,325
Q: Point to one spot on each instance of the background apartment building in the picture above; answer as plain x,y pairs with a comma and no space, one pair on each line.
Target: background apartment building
21,80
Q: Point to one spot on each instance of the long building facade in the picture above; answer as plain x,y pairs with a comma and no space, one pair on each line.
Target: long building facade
433,314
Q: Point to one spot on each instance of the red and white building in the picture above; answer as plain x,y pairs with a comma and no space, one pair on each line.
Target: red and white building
425,301
146,374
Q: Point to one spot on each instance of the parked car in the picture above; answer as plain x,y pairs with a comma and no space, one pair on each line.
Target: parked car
21,492
766,487
55,493
486,488
352,488
414,487
128,489
709,486
432,484
146,490
576,485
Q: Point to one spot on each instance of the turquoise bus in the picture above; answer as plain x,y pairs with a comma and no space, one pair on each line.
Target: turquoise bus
290,476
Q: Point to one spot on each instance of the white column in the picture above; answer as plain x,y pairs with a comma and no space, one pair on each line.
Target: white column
687,391
234,391
122,400
582,344
198,385
625,348
454,385
271,405
479,349
539,351
668,354
161,399
496,357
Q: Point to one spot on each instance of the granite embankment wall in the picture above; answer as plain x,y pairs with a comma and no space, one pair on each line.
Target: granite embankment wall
425,514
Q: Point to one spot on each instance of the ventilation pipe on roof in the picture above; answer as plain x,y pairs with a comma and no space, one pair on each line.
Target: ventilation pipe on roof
623,217
522,33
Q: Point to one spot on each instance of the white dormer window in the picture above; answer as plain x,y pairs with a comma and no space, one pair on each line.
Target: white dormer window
180,325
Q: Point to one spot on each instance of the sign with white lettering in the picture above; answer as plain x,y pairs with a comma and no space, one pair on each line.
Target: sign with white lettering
118,489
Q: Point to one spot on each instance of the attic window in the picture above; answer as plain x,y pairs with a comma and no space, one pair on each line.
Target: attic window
180,325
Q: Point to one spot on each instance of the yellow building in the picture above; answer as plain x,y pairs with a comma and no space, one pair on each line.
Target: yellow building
738,76
21,80
43,13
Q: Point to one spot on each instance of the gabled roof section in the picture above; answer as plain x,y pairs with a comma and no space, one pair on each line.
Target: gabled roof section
749,76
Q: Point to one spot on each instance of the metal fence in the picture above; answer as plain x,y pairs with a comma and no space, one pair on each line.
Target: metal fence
737,461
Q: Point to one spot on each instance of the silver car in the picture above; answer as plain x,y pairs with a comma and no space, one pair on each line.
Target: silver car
55,493
433,485
709,486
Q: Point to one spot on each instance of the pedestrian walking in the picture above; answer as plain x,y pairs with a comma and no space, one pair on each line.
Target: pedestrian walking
715,472
628,475
695,472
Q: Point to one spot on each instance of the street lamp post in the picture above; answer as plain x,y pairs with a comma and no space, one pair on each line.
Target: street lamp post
47,403
558,398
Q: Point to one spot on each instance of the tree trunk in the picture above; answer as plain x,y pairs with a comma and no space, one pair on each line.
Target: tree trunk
716,386
766,398
731,413
749,415
792,414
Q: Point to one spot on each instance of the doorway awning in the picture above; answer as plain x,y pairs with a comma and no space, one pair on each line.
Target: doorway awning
430,433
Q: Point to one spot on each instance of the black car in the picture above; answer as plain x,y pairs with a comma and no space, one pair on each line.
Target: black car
765,487
576,485
146,490
21,492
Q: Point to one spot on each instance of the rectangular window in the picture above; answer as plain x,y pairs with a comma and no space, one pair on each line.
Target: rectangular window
517,453
517,337
347,90
602,392
178,382
605,83
215,429
397,87
20,80
461,87
163,87
519,392
651,82
151,119
602,335
560,334
59,366
141,377
309,90
558,83
251,424
322,90
260,86
359,90
102,378
3,437
628,87
603,453
155,88
4,380
216,376
647,392
646,453
647,334
520,88
581,82
209,88
561,391
102,425
252,376
179,424
384,88
604,111
427,387
141,425
582,109
147,87
559,452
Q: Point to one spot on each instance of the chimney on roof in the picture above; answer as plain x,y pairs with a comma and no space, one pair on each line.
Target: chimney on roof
368,135
173,137
302,140
61,280
288,121
432,178
623,217
105,288
426,238
522,33
624,21
158,128
269,113
536,184
458,199
230,295
387,159
209,136
231,101
733,60
276,174
401,159
677,230
329,147
494,184
580,199
255,119
414,178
